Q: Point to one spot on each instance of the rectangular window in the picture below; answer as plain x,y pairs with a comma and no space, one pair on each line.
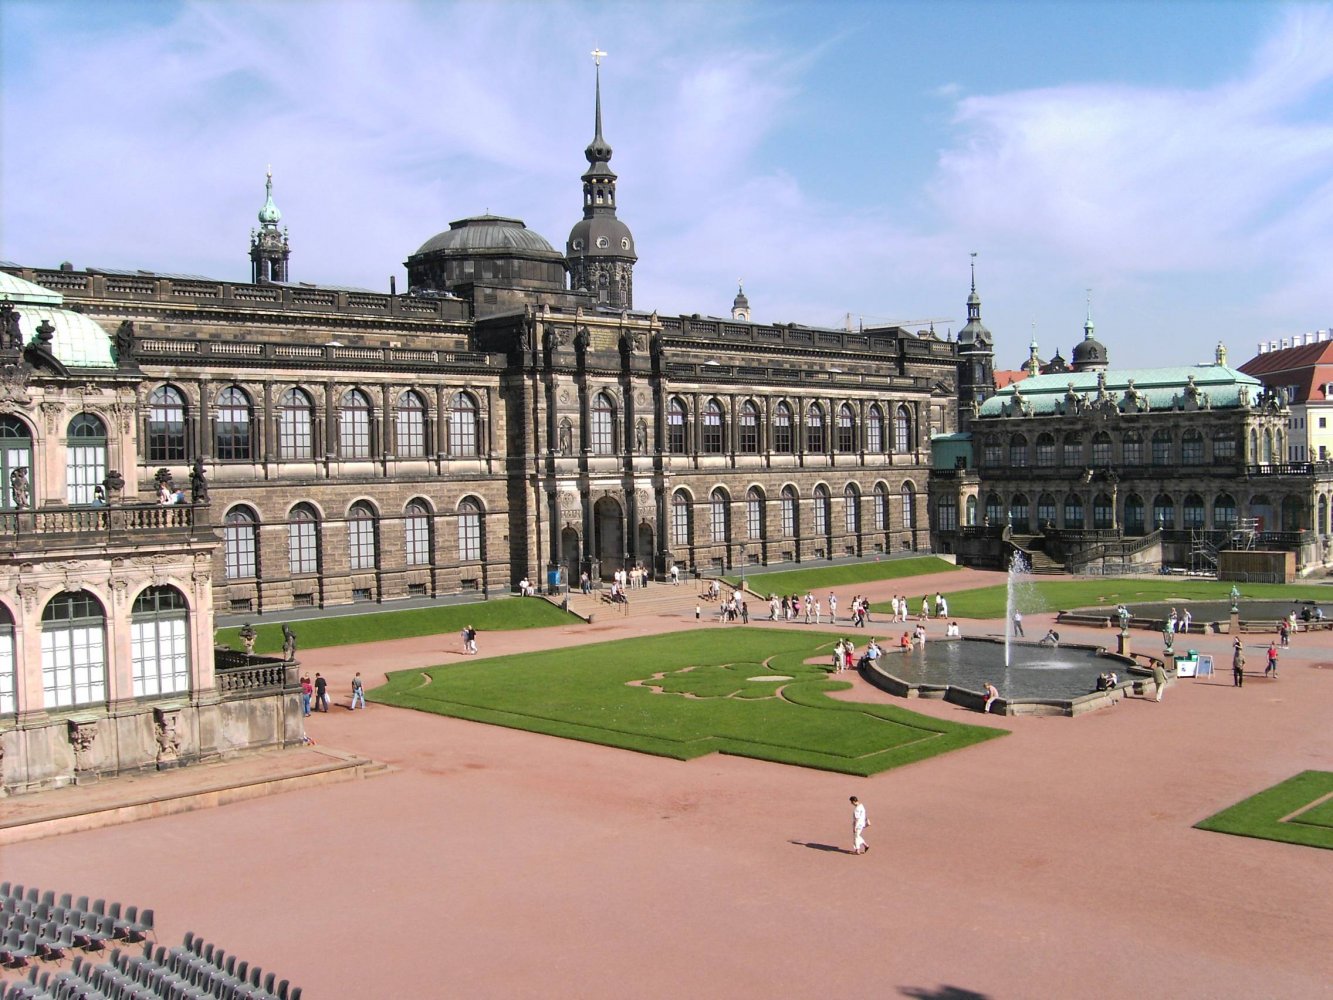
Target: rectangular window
302,546
361,542
239,542
1101,453
73,665
788,506
354,432
749,432
7,706
416,531
1018,455
1133,451
875,435
294,437
85,468
1073,514
1191,451
159,651
718,512
821,516
754,518
992,455
712,438
411,432
1045,512
233,434
909,509
814,434
851,518
948,515
1046,453
881,512
469,537
1161,451
680,524
676,432
1073,453
1224,449
1165,515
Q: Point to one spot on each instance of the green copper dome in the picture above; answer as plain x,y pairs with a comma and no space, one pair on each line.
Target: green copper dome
269,216
76,340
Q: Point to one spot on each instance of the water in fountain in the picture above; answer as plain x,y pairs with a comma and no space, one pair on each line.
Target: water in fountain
1020,594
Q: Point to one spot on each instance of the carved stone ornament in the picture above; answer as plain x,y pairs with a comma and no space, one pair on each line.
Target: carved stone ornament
28,592
52,411
166,729
81,738
564,396
571,505
14,384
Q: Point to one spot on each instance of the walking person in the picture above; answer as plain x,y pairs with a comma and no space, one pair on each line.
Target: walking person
470,639
321,693
1159,676
1272,661
859,824
1237,664
307,693
832,608
358,692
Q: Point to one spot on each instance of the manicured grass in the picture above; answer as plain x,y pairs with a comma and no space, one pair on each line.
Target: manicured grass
1262,815
707,700
449,620
801,581
1057,595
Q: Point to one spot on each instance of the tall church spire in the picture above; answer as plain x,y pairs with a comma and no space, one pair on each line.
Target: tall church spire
269,250
600,251
976,373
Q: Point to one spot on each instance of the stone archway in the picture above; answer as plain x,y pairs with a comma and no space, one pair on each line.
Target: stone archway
609,535
644,545
571,555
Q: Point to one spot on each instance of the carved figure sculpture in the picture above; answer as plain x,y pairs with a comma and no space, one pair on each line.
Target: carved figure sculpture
288,643
19,493
248,636
198,485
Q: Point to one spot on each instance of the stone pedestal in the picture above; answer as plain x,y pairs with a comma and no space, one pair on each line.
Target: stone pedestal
1124,644
1235,623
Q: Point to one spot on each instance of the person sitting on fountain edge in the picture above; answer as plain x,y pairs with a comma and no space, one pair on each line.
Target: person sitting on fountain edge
1052,637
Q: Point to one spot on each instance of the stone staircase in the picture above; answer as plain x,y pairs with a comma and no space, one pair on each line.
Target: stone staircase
659,600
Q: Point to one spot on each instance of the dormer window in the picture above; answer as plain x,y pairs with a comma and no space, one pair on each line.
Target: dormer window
624,243
578,244
603,242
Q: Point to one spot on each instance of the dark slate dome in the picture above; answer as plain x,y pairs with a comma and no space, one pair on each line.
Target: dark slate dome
1089,351
601,236
487,232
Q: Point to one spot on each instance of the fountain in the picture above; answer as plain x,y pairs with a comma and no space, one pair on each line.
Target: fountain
1019,592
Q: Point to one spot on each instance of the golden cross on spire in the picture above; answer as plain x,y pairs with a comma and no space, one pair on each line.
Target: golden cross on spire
597,56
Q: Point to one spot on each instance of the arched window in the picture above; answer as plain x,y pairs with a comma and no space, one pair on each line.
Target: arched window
1224,445
712,434
295,422
362,551
1073,511
85,457
1161,447
463,425
992,451
994,509
1293,513
603,425
354,424
1134,514
846,429
875,430
416,534
749,443
1164,511
1322,526
902,430
231,423
469,531
15,454
971,511
1254,446
814,429
166,425
790,521
1045,511
1046,450
303,540
8,705
1192,512
782,436
160,642
851,510
676,414
410,425
1278,450
820,512
682,528
717,513
73,650
1224,512
1191,448
1018,513
1018,451
1103,512
240,535
881,507
1132,448
946,513
1073,451
1101,449
909,505
754,514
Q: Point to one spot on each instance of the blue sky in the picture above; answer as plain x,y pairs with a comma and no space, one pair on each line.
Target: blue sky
843,158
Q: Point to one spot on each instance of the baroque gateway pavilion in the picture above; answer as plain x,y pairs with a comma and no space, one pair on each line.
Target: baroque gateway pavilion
510,416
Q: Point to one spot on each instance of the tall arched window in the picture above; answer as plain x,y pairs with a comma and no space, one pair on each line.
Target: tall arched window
8,705
1161,447
1073,451
231,423
994,509
1224,512
73,650
717,512
1132,448
909,505
875,430
1018,513
1073,511
296,438
783,439
947,513
814,429
1103,512
820,511
463,420
1321,526
1191,448
416,534
790,521
410,425
676,414
1045,450
851,510
15,454
469,531
303,540
166,425
712,433
160,642
902,430
846,429
749,439
362,552
754,514
1192,511
85,457
682,532
881,507
1164,511
603,436
1134,515
354,425
1101,449
240,536
970,511
1018,451
1045,511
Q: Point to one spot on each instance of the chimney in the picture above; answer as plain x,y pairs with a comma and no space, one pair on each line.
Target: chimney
1272,345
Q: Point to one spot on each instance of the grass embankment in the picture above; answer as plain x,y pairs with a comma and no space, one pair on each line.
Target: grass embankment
1290,812
484,616
801,581
720,692
1065,595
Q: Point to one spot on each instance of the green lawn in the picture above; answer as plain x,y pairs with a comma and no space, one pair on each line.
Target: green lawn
1063,595
801,581
484,616
1262,815
687,695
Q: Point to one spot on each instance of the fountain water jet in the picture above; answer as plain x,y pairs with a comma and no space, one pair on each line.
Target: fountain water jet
1018,595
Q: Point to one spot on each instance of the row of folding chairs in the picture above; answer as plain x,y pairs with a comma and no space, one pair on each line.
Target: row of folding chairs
22,897
205,965
89,929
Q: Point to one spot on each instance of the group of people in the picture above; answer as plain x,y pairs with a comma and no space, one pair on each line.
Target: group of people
794,607
845,658
469,637
1178,622
902,610
734,609
315,696
1107,681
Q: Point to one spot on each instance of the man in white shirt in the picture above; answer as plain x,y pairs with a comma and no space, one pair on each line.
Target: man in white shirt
859,824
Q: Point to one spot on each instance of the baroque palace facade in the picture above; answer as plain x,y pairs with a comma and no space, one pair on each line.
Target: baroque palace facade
512,415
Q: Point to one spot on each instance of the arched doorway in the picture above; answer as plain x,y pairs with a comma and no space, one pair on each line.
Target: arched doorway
609,540
570,555
644,546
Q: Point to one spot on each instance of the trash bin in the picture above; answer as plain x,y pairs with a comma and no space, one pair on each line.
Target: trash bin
1193,654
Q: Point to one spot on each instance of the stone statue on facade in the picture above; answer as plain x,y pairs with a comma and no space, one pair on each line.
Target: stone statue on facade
20,494
125,341
12,337
248,636
641,435
288,643
566,443
198,484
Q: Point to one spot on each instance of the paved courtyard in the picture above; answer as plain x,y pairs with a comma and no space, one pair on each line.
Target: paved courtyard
1057,862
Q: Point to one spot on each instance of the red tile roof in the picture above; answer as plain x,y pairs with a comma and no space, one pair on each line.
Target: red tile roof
1309,367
